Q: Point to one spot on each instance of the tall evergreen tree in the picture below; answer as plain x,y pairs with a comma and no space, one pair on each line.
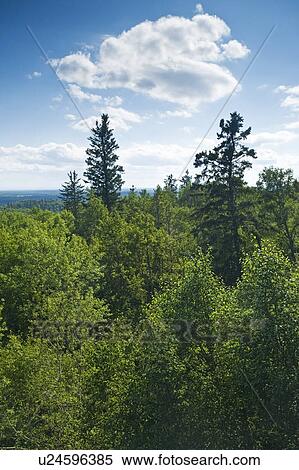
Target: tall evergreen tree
72,193
186,190
170,184
186,180
103,173
222,172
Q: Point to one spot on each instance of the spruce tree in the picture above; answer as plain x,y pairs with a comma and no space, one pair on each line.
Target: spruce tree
221,181
103,173
186,180
72,193
170,184
186,190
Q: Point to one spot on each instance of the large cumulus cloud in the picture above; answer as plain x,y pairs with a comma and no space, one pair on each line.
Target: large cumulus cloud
174,59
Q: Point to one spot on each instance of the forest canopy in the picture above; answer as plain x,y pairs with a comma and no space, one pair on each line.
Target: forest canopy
153,320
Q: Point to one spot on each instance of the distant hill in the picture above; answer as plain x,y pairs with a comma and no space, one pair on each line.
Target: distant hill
20,198
10,197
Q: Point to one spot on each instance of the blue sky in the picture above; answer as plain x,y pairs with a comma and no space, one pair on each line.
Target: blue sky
160,68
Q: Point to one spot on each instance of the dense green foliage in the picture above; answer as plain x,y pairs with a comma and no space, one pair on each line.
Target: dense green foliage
121,326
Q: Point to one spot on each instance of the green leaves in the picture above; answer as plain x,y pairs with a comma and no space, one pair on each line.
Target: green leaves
39,260
278,208
123,336
39,399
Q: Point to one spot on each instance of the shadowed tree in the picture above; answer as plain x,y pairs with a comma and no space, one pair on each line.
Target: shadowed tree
72,193
186,180
221,180
186,189
279,206
103,173
170,184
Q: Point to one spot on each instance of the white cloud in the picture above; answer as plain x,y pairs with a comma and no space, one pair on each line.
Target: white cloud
147,163
207,144
76,68
175,59
181,113
120,119
274,138
292,125
293,90
199,8
291,102
70,117
81,95
113,100
32,75
280,89
268,156
160,155
187,130
155,155
39,167
263,86
280,159
57,99
235,50
291,99
50,156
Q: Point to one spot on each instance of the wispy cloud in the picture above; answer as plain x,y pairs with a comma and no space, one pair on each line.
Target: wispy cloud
33,75
180,113
80,95
292,125
70,117
20,157
291,99
57,99
120,119
279,137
